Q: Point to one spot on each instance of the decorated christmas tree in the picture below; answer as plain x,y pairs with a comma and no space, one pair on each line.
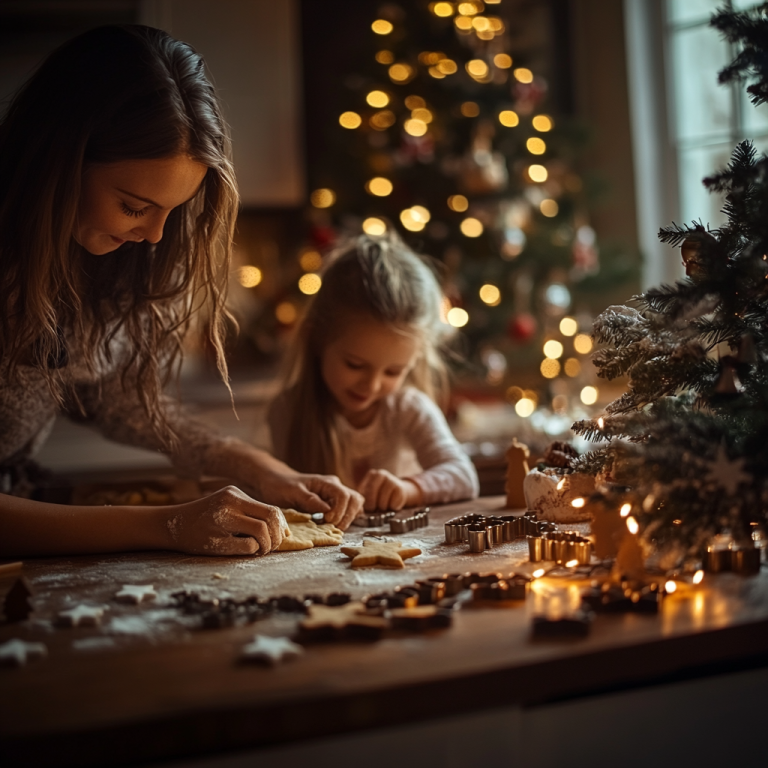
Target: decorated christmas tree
443,131
689,437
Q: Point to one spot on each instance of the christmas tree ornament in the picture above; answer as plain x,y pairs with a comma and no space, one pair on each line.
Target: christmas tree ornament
701,253
522,327
728,386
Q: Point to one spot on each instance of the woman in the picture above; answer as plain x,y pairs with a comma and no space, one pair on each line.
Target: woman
117,208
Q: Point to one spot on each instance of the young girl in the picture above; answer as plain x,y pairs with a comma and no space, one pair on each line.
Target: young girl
363,377
117,207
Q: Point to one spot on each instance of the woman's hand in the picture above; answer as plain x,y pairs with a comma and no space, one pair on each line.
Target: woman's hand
228,522
383,491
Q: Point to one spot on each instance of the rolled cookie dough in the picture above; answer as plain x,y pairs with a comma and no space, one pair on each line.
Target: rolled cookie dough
303,533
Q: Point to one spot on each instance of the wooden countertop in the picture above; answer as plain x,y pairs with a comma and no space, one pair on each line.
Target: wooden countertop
145,685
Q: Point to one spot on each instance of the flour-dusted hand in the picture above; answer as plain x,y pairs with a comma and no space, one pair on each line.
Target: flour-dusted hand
228,522
382,490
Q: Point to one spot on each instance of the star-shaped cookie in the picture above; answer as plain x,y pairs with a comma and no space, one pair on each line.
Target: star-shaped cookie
303,533
271,650
16,653
389,553
132,593
81,616
326,622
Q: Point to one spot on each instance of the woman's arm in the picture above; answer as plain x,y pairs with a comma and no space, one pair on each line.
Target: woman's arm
225,523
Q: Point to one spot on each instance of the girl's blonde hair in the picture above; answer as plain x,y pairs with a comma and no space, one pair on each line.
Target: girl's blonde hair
375,276
111,94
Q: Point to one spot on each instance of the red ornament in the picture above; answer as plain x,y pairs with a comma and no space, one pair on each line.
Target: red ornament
322,237
522,327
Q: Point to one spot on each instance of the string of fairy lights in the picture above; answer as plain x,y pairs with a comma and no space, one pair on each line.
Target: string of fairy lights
381,110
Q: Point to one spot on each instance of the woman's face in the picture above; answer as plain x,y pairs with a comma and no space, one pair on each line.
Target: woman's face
130,200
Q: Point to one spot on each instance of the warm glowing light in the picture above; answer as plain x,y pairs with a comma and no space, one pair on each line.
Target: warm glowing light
471,227
561,484
411,221
311,261
458,317
286,313
423,114
538,573
377,99
572,367
542,123
447,67
383,120
571,563
421,213
600,423
490,295
436,73
632,525
523,75
536,146
379,186
463,24
583,344
568,326
698,577
625,509
309,284
497,26
481,23
537,173
549,368
509,118
670,587
249,277
414,102
350,120
458,203
470,109
502,60
588,395
374,226
525,407
578,503
549,207
400,73
415,127
385,57
443,9
382,27
468,9
553,349
323,198
477,68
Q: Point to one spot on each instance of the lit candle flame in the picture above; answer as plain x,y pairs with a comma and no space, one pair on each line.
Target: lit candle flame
698,576
571,563
538,573
670,586
561,484
632,525
578,503
600,422
625,509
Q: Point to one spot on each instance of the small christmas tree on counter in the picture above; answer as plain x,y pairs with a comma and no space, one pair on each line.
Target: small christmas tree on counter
690,435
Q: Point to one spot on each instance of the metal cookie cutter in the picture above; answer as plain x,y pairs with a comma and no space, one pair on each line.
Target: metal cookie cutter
560,546
373,519
409,520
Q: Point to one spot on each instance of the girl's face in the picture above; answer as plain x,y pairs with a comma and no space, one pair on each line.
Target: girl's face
363,365
131,199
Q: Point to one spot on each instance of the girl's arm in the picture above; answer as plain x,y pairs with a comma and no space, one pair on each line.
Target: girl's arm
225,523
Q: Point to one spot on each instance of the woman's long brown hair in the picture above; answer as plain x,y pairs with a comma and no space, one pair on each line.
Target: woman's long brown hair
111,94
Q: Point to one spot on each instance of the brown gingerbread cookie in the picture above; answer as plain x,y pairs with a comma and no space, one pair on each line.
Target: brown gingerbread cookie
389,553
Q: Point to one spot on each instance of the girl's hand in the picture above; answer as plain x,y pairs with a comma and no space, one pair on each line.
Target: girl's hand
382,490
228,522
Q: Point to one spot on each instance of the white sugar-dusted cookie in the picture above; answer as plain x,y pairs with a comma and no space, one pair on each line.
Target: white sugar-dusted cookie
81,616
550,495
16,653
132,593
271,650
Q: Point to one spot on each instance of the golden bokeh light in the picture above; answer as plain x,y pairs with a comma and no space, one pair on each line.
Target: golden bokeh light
415,219
458,317
583,344
572,367
415,102
421,212
523,75
382,120
463,24
549,368
385,57
536,146
502,60
379,186
310,261
374,226
525,407
632,525
350,120
458,203
537,173
415,127
588,395
513,394
568,326
509,118
549,207
443,10
471,227
497,27
401,73
447,67
423,114
625,509
286,312
481,24
382,27
470,109
542,123
249,276
310,283
490,295
436,73
469,9
377,99
553,349
477,68
322,198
